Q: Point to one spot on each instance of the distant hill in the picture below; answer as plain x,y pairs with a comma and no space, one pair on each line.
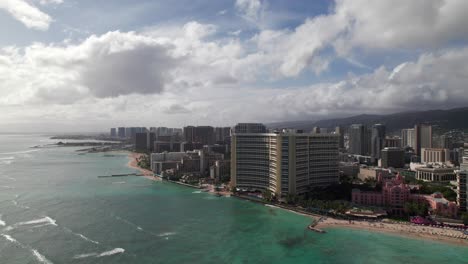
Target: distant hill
456,118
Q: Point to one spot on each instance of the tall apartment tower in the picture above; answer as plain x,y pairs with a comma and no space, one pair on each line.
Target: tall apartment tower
359,140
121,132
462,180
377,141
423,137
408,138
284,163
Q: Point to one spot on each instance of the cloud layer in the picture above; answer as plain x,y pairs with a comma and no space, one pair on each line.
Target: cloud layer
195,73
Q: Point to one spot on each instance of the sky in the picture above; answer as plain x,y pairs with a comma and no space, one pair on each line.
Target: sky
86,65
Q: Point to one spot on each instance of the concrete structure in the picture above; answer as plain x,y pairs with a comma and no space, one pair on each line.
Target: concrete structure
349,169
438,205
284,163
433,155
359,140
143,141
435,173
249,128
393,157
408,138
377,141
462,191
316,130
423,138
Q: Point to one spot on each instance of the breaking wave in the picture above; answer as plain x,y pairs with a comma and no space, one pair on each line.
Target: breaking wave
81,236
111,252
40,257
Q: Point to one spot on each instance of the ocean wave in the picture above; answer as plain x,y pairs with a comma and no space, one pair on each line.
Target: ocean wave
166,234
120,182
37,255
43,220
129,223
111,252
6,187
87,255
15,203
81,236
2,223
8,158
197,192
40,257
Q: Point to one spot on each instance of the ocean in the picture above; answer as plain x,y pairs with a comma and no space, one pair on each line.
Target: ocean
54,209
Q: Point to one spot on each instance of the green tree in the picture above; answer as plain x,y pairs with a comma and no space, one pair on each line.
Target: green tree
267,196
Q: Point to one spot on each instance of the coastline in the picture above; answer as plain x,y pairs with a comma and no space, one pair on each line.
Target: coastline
400,229
133,163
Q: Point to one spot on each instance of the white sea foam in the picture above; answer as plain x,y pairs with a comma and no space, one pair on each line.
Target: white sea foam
7,158
43,220
40,257
6,187
166,234
81,236
129,223
19,205
197,192
87,255
120,182
2,223
9,238
111,252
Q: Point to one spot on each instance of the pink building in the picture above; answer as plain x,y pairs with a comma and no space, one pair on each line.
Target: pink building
395,193
438,205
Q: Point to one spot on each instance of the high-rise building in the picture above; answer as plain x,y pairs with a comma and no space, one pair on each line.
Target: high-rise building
222,134
250,128
393,157
316,130
121,132
423,137
359,140
462,180
284,163
408,138
144,141
377,141
340,131
199,134
113,132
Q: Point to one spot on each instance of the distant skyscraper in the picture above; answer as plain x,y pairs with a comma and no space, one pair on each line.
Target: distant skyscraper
144,141
250,128
408,138
222,134
462,180
359,140
113,132
377,141
316,130
340,131
423,137
199,134
121,132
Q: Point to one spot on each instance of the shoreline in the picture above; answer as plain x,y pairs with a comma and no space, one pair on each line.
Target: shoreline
399,229
408,230
133,164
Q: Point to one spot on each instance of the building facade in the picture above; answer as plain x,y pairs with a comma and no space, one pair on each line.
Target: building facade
433,155
377,141
250,128
462,176
359,140
423,137
393,157
435,174
408,138
284,163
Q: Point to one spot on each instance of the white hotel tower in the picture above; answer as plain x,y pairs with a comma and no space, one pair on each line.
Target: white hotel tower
284,163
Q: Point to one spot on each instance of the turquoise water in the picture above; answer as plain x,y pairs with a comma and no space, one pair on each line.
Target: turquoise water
54,209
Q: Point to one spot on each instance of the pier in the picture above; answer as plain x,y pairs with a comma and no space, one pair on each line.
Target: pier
120,175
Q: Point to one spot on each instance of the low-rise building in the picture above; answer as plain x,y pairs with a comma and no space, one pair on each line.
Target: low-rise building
435,173
373,172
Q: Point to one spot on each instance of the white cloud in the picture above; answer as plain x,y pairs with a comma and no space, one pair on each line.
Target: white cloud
48,2
27,14
250,9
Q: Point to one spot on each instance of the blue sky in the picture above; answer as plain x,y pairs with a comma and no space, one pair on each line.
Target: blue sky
220,62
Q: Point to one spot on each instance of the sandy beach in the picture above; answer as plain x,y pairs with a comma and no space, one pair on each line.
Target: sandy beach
447,235
133,163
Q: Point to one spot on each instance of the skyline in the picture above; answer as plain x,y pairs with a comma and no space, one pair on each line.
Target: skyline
224,62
